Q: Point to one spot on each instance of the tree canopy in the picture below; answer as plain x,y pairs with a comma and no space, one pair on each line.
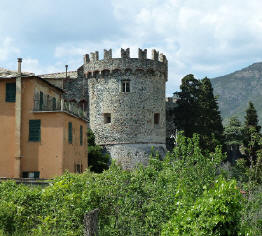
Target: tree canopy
198,112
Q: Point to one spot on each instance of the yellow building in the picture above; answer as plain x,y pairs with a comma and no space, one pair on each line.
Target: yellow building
41,135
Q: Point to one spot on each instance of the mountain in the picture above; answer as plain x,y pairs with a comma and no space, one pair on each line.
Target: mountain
235,90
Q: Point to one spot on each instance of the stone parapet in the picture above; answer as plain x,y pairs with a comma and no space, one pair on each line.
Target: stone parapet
110,66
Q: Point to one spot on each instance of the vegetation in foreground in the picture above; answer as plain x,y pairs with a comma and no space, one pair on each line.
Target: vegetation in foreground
186,194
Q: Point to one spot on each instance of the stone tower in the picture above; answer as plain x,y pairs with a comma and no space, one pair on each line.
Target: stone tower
127,104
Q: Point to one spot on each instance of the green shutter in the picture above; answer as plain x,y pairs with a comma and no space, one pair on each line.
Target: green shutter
54,104
41,101
81,135
70,134
34,130
10,94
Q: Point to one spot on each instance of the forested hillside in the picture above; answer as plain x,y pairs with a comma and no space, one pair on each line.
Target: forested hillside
236,89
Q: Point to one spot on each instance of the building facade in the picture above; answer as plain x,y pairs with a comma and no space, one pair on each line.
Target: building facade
41,135
126,102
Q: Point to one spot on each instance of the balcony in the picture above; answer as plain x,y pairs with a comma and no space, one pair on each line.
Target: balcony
51,105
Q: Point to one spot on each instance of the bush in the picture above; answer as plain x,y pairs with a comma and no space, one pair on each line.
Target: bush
216,212
137,202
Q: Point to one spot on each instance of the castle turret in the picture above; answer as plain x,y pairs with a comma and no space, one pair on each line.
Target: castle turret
127,104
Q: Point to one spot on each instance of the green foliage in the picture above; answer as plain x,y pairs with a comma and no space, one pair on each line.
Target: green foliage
251,134
97,160
252,212
198,112
136,202
19,207
251,118
216,212
233,132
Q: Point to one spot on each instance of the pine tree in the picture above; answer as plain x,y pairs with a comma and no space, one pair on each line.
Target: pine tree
251,133
198,112
211,126
187,111
251,119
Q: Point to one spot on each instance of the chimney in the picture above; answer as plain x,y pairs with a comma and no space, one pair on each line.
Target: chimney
19,60
18,116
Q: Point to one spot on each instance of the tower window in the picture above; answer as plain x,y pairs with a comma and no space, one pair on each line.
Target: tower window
156,118
107,118
125,86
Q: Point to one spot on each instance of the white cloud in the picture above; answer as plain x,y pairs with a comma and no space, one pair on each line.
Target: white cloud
200,37
206,38
7,48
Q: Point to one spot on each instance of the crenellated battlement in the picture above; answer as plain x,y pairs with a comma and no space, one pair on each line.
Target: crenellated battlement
125,54
108,66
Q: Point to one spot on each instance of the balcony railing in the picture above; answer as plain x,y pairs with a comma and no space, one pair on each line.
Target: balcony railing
60,105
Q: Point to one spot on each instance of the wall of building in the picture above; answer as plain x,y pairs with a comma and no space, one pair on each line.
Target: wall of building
132,113
132,131
74,153
52,155
7,131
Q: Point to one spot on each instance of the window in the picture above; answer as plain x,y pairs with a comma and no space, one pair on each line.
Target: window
125,86
81,135
41,102
70,133
78,168
156,118
107,118
54,104
34,130
35,174
10,94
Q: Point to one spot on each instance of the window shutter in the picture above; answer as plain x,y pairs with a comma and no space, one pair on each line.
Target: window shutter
81,135
34,130
41,101
54,104
10,94
70,135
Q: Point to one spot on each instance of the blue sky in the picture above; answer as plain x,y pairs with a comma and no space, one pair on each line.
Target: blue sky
204,37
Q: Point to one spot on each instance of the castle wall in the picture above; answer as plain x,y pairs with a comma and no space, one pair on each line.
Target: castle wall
132,130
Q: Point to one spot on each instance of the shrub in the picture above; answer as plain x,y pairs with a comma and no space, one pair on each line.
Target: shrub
216,212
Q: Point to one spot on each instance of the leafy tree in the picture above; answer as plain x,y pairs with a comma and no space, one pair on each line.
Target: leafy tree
216,212
198,112
233,134
251,134
97,160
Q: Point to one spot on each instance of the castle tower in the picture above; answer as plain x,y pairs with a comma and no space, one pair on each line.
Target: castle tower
127,104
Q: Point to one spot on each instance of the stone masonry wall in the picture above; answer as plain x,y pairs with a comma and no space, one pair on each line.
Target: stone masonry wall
132,113
132,132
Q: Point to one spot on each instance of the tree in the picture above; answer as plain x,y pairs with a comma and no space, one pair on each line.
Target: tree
210,122
233,134
251,119
97,160
187,111
198,112
251,132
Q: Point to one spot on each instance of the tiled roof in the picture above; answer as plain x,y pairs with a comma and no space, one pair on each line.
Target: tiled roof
4,73
70,74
